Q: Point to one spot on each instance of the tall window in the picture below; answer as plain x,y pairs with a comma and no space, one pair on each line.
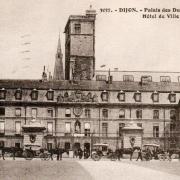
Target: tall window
105,113
104,96
173,114
139,114
87,113
50,94
155,97
2,93
18,94
137,97
18,112
172,97
50,112
34,94
2,111
155,131
121,96
128,78
34,112
2,127
17,128
77,28
49,128
121,125
155,114
87,129
172,129
104,129
122,113
68,127
68,112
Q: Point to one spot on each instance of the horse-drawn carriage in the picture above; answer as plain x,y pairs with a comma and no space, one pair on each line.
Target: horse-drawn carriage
29,152
101,150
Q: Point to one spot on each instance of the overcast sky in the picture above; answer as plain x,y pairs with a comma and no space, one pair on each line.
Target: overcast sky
124,41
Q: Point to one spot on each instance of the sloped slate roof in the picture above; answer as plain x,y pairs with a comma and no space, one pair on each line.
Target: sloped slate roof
91,85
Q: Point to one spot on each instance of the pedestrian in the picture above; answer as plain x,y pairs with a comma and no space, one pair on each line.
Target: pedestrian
3,152
80,153
51,154
14,152
57,152
139,154
118,154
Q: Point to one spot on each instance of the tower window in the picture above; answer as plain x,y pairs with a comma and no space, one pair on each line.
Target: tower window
77,28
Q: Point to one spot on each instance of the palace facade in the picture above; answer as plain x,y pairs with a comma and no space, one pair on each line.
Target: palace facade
89,106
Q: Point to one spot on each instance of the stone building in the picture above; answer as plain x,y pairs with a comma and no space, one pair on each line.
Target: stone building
89,106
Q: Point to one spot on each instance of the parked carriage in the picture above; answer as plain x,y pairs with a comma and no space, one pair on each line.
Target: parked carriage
101,150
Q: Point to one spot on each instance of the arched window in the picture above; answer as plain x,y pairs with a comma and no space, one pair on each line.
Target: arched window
122,113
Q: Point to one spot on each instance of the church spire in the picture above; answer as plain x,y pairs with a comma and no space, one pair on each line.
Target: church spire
58,67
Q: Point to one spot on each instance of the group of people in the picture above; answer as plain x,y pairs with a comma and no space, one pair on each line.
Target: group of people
78,152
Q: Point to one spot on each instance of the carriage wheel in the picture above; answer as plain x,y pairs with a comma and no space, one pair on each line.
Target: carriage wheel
28,155
45,156
96,157
161,157
113,157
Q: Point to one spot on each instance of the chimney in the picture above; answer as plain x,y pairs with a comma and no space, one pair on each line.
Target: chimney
44,75
91,12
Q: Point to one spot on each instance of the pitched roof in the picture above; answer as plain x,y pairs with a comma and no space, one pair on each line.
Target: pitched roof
91,85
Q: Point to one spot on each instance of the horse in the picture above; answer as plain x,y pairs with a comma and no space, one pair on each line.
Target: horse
58,152
121,151
14,151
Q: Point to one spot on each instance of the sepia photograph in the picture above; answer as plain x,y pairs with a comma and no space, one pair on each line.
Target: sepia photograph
89,90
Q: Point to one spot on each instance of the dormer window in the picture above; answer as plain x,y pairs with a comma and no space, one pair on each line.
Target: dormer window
104,96
34,94
121,96
137,96
172,97
2,93
155,96
50,94
18,94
